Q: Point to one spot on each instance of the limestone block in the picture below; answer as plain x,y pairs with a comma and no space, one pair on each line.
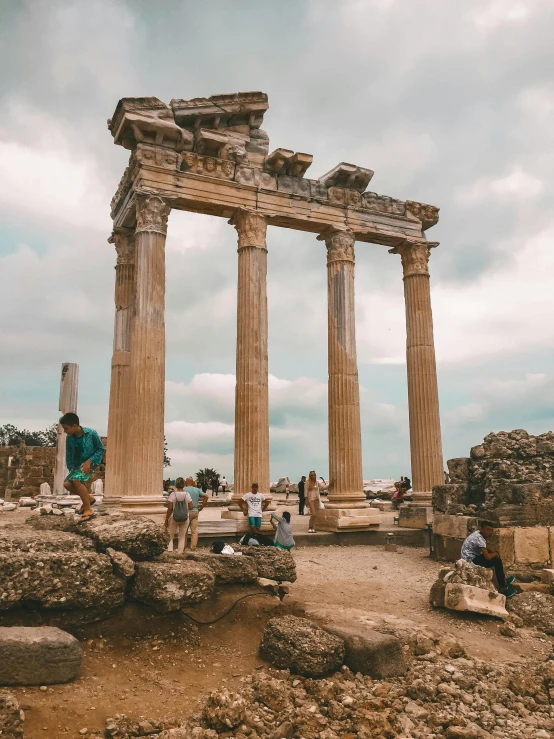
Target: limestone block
227,568
347,519
270,586
272,562
532,587
38,655
531,545
415,516
454,527
370,652
459,469
136,536
502,541
459,597
27,539
293,185
123,564
170,587
547,576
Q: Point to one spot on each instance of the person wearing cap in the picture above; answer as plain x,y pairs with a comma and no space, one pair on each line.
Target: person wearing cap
253,504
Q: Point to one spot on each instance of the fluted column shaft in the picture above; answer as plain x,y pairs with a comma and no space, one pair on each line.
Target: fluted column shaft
145,442
118,418
345,435
423,394
251,395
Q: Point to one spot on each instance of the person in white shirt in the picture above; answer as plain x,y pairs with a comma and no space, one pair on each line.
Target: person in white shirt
178,502
253,504
224,484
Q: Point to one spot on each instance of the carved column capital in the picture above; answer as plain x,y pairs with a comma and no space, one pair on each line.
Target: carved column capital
152,214
415,256
124,242
340,244
251,228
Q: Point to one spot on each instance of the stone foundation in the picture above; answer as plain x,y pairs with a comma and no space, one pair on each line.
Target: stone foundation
415,516
346,519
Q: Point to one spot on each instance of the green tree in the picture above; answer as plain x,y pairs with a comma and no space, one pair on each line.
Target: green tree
167,460
204,477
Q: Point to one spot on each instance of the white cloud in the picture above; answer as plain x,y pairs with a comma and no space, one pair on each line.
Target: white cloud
488,14
517,184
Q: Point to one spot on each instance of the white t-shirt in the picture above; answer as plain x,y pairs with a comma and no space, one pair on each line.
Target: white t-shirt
254,501
223,481
179,495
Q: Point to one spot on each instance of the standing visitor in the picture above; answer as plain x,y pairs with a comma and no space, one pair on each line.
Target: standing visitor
223,484
215,486
287,491
476,551
199,500
83,452
301,495
283,530
179,506
313,496
253,504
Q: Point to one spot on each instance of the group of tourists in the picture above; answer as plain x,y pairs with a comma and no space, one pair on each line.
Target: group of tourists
253,504
401,489
183,507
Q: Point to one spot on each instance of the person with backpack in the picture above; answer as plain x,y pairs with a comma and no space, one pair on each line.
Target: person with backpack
199,500
179,503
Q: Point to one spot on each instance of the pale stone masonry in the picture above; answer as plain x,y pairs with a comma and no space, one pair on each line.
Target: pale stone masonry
210,155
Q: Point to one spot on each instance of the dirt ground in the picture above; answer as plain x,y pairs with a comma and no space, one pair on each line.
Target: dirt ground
141,664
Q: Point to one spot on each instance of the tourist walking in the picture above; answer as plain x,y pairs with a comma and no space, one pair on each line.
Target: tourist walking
179,507
83,452
476,551
286,491
215,487
301,495
313,496
283,530
224,484
253,504
199,500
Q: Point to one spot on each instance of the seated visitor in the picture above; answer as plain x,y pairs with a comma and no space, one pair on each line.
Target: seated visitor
283,530
475,550
398,495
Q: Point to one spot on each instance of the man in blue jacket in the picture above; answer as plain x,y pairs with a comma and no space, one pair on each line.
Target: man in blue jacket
83,452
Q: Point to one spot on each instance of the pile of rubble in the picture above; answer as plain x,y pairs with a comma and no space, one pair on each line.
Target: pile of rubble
508,469
467,587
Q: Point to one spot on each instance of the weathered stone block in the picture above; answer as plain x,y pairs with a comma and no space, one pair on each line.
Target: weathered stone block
415,517
530,493
137,536
351,519
301,646
170,587
446,548
40,655
455,527
26,539
531,545
123,565
459,469
271,562
370,652
547,576
460,597
445,496
502,541
228,568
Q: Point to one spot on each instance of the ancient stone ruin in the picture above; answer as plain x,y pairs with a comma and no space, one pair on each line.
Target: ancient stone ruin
509,480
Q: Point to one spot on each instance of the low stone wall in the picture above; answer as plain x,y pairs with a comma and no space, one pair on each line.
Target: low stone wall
529,546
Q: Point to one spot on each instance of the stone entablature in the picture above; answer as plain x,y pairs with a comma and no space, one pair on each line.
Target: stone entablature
220,138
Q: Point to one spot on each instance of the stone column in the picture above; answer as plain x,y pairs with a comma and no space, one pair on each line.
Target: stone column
251,394
423,395
118,418
347,506
145,435
69,387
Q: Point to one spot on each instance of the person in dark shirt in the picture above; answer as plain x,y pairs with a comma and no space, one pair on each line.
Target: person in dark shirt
301,495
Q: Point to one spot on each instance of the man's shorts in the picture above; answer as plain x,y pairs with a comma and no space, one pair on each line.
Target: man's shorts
79,475
255,521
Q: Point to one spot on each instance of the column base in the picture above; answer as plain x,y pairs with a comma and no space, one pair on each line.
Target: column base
145,505
421,499
242,521
414,516
346,503
346,519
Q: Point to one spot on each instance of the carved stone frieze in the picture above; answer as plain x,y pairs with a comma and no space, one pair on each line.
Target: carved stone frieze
340,244
246,175
150,121
152,214
383,204
124,242
251,228
209,166
122,188
344,196
293,185
415,254
427,214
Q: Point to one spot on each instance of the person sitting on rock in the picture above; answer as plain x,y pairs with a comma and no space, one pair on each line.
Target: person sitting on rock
283,530
475,550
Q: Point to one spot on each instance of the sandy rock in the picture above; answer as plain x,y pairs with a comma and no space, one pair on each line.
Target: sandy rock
137,536
123,565
66,580
271,562
27,539
301,646
370,652
40,655
460,597
227,568
535,609
6,507
224,710
270,586
11,717
170,587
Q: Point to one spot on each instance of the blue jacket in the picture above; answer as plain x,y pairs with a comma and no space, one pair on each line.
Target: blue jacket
89,446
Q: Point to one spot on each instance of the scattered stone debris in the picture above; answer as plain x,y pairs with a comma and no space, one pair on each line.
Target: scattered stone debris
11,717
467,587
534,609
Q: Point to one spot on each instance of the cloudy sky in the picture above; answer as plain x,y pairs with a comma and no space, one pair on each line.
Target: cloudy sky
451,102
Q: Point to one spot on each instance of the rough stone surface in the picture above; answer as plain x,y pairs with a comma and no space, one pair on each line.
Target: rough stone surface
370,652
271,562
535,609
137,536
228,568
27,539
68,580
11,717
478,600
40,655
122,563
301,646
170,587
531,545
224,710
